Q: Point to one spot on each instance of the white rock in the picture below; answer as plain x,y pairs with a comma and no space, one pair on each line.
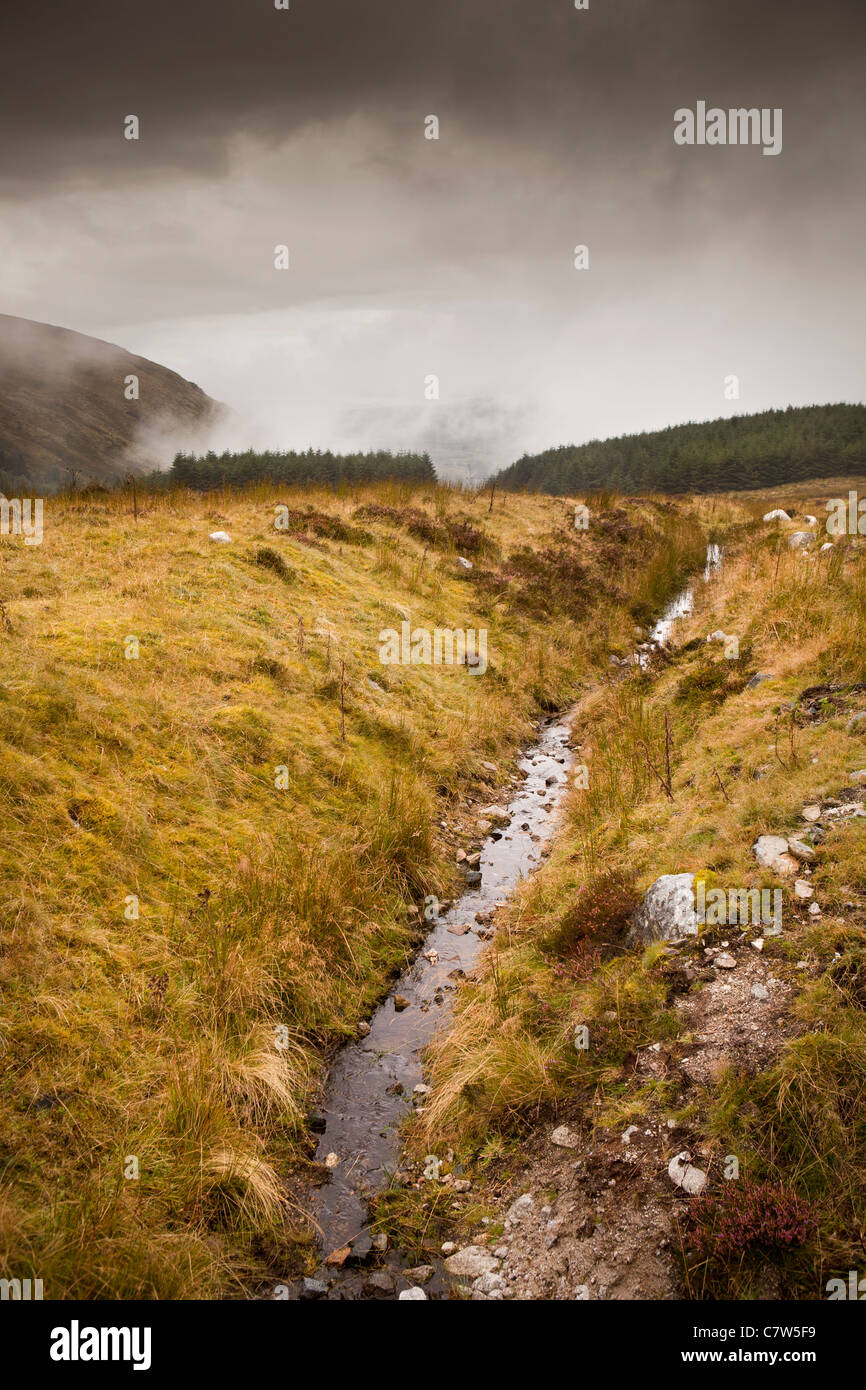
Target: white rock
464,564
564,1138
725,962
814,910
219,536
760,992
667,910
812,812
759,944
801,540
682,1171
627,1134
415,1295
332,1160
776,515
828,545
803,890
810,520
767,849
448,1248
471,1262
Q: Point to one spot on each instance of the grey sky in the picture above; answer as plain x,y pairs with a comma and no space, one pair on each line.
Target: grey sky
453,257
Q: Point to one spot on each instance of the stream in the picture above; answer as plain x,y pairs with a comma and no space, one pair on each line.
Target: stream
372,1080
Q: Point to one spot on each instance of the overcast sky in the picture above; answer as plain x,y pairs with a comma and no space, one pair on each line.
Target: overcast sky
453,257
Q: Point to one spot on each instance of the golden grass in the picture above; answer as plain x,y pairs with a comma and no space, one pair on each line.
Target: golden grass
206,881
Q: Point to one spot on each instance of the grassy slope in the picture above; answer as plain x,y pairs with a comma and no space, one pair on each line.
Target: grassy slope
153,1036
511,1055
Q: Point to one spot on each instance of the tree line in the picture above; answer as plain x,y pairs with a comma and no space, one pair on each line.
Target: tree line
204,472
726,455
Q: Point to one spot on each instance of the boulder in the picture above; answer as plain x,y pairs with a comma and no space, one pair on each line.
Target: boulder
801,540
667,910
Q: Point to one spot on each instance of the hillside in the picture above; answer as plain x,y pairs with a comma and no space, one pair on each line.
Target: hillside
742,1045
725,455
220,814
64,418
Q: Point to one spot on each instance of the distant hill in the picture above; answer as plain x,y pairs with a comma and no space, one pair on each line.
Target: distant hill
64,416
743,451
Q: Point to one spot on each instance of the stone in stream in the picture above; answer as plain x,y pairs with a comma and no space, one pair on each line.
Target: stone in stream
400,1003
421,1274
379,1282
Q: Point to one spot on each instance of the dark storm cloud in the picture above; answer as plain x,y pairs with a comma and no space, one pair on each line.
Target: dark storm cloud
412,257
196,71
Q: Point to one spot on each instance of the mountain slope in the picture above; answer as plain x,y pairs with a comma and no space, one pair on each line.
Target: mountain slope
64,417
725,455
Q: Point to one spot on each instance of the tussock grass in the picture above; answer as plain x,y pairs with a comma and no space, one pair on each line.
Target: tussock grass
209,848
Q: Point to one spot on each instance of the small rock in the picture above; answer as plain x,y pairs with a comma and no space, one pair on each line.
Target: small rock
777,515
338,1258
759,944
803,890
363,1029
522,1208
379,1242
760,992
626,1137
768,848
814,910
488,1283
802,851
415,1295
682,1171
460,856
380,1281
313,1288
332,1160
564,1138
421,1274
459,929
448,1248
724,961
758,679
222,536
811,812
472,1262
801,540
400,1003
